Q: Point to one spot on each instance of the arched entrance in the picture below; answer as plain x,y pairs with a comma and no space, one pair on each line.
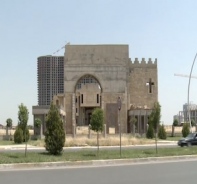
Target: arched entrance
88,97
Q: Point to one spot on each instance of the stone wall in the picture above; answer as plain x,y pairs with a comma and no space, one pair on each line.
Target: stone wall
140,75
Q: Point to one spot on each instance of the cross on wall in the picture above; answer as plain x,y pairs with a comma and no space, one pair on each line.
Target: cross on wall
150,84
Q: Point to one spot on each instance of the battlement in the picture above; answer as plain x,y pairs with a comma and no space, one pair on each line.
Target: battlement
144,62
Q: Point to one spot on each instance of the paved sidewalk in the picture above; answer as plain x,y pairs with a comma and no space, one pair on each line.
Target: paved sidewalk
22,146
18,146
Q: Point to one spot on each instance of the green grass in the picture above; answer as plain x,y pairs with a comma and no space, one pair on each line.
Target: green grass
10,157
3,142
173,138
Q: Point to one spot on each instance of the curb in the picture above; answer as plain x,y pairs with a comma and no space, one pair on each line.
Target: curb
95,162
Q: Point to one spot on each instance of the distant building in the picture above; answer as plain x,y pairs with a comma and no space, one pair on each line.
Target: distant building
50,79
179,117
192,110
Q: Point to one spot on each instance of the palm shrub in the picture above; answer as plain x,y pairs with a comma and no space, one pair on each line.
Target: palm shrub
185,129
55,134
162,132
18,135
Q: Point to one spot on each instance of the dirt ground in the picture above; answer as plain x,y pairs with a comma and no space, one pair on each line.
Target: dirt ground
3,132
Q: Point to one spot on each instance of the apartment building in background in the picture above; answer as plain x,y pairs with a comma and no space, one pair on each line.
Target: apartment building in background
50,78
50,82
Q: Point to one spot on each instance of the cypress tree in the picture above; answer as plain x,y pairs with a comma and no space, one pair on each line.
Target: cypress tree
55,134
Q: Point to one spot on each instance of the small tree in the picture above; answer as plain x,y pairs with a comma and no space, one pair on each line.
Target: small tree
133,122
9,125
175,122
185,129
162,132
18,136
96,123
155,119
23,116
150,132
193,123
38,123
55,134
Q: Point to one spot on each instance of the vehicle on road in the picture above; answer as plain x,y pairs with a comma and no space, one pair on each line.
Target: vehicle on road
190,140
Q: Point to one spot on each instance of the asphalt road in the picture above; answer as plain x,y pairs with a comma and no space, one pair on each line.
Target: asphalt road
179,172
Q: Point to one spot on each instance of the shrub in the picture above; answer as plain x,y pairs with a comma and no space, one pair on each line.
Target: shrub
162,132
193,123
175,122
18,136
54,135
150,132
27,135
185,129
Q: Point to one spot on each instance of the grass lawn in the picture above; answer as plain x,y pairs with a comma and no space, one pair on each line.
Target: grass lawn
10,157
173,138
2,142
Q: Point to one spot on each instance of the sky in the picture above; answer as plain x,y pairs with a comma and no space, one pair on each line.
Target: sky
162,29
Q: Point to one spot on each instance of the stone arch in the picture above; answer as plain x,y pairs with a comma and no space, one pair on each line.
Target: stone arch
87,96
87,79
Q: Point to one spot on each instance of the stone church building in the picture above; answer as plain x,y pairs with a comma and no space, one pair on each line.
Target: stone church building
99,75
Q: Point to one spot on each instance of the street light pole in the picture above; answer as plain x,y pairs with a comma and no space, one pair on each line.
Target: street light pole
119,108
188,106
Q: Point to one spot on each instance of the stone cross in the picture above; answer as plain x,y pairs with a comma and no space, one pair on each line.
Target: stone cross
150,83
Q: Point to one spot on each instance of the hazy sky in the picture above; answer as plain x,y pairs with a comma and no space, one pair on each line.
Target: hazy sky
162,29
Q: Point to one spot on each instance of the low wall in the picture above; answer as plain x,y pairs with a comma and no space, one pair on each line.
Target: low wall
177,129
11,132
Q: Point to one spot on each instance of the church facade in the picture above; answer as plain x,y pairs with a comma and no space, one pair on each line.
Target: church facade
104,76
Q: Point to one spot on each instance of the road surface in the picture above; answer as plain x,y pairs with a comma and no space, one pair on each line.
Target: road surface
177,172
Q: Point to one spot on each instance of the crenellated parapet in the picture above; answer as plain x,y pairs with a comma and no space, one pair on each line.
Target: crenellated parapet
143,63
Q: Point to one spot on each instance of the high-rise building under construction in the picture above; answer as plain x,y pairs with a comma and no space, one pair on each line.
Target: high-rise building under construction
50,71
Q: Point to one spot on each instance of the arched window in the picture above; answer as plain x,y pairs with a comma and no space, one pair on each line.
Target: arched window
87,79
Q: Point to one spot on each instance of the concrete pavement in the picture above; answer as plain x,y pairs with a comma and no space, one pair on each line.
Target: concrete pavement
30,147
18,147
